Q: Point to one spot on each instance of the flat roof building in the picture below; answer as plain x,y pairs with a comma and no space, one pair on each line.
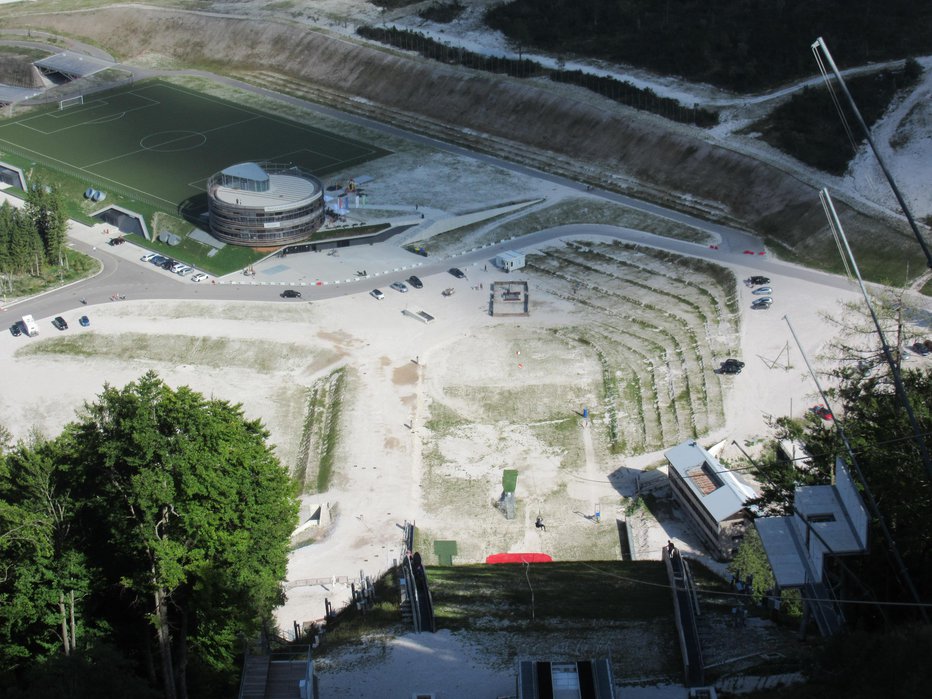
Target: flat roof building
713,498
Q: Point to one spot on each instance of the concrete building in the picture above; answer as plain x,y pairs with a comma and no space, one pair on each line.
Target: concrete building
827,521
711,496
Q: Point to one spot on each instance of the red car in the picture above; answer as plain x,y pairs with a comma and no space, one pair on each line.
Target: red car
822,412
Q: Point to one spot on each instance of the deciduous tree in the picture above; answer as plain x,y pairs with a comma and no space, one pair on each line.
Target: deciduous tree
196,513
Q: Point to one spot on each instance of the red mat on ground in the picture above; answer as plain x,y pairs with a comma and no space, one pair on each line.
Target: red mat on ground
518,558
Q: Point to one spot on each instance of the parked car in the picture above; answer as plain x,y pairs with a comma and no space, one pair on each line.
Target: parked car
158,260
117,241
415,282
290,294
168,264
400,286
457,272
734,362
729,369
59,323
920,348
755,281
16,330
762,291
199,277
84,321
765,302
377,294
822,412
148,257
184,270
177,267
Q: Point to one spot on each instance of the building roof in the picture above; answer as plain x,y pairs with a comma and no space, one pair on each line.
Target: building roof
285,191
13,93
72,64
828,519
715,487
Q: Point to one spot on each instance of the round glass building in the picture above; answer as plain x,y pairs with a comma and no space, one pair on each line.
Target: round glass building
264,204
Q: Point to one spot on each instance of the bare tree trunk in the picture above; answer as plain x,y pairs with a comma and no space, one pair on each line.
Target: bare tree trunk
74,645
181,666
64,623
165,643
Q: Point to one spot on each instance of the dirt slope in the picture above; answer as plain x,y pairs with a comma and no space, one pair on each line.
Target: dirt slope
640,152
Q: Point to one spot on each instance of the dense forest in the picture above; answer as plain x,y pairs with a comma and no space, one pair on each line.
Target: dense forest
33,237
808,127
139,549
745,46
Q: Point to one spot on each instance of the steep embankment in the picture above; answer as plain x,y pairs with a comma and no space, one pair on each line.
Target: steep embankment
639,152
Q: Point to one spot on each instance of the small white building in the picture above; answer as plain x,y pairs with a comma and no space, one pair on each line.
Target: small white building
510,260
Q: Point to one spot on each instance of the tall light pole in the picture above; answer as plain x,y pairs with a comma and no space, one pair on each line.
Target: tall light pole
819,49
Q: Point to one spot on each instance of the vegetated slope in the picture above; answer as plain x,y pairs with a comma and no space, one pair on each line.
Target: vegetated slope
631,152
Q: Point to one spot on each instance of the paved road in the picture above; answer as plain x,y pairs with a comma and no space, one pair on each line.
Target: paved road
123,274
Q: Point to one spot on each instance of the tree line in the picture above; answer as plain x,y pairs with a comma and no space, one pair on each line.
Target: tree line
140,548
621,91
33,238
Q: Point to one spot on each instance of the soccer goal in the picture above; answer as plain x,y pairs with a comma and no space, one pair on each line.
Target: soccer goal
70,102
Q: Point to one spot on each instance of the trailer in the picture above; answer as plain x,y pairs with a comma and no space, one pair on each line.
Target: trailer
29,325
510,260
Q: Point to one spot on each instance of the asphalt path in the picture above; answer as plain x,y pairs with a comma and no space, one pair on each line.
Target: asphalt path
133,280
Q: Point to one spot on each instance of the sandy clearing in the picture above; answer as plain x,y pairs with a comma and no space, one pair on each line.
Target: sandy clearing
467,364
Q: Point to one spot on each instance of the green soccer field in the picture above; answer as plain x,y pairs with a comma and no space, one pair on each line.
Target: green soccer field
159,143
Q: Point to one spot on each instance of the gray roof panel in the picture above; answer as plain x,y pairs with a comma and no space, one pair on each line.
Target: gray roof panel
72,64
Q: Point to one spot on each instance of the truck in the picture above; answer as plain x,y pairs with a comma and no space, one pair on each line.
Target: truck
29,325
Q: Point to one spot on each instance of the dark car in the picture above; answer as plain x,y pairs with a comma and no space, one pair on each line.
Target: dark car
457,272
168,263
16,330
59,323
415,282
730,369
84,321
158,260
290,294
765,302
733,362
755,281
920,348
